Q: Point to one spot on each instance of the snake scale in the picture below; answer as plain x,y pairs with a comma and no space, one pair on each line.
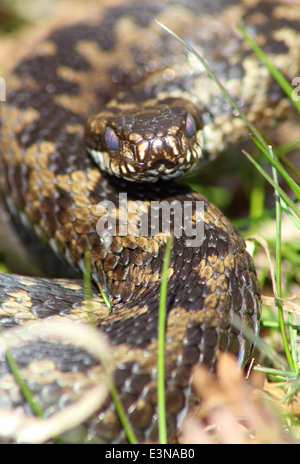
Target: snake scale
152,112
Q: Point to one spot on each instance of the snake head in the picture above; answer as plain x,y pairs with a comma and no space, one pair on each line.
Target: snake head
146,143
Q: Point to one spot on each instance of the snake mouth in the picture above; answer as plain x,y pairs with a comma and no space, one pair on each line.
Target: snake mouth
160,169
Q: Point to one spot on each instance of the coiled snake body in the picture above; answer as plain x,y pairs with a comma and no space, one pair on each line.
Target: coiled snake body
159,114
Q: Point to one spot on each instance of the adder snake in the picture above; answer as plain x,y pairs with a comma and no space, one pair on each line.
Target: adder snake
155,113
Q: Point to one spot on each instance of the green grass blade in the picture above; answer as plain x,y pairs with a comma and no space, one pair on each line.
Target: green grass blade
161,346
104,296
293,366
281,192
87,285
285,374
276,164
292,391
282,81
251,127
113,392
87,279
25,390
259,138
122,415
22,384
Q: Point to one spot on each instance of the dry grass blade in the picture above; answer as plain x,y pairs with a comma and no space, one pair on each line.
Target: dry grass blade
231,410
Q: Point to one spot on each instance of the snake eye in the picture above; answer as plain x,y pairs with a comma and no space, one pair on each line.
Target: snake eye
190,125
112,139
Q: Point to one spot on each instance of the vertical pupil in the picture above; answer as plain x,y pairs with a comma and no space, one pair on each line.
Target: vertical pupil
112,139
190,126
